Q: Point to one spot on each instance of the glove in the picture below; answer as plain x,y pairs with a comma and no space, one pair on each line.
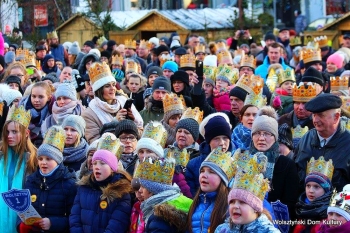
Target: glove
277,103
118,75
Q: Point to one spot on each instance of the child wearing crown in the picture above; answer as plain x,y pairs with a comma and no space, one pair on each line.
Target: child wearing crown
52,186
221,91
17,160
338,213
313,203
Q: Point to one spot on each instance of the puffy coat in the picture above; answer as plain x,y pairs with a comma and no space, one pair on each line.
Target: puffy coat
262,69
336,149
151,113
222,102
101,209
201,215
53,196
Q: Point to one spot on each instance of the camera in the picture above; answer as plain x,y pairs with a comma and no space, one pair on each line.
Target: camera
241,33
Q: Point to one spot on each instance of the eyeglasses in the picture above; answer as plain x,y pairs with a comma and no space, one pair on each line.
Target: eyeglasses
19,75
124,139
266,135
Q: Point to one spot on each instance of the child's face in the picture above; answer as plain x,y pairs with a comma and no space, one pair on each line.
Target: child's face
145,194
139,196
220,84
335,220
46,164
313,190
101,170
173,120
288,87
209,180
241,213
145,153
13,134
331,67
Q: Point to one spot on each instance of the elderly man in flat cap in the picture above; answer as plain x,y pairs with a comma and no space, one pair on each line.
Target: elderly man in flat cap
329,139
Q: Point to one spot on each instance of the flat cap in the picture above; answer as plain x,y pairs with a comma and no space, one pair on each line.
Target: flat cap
323,102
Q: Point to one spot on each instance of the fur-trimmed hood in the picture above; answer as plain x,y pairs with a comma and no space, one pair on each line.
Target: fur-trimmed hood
127,91
113,190
173,216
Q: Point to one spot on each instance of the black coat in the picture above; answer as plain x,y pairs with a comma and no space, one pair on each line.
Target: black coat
288,119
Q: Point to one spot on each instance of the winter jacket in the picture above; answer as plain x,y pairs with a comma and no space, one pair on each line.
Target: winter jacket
137,222
100,209
345,228
58,53
263,68
137,97
260,225
288,118
286,103
221,100
53,196
336,149
201,215
151,113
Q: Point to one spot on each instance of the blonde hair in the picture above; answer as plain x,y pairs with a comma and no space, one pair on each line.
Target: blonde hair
48,87
16,65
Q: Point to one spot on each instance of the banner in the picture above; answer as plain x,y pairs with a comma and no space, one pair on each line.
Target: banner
40,16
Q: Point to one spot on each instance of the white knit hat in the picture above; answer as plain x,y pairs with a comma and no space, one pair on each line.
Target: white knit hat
148,143
155,41
210,60
95,51
10,95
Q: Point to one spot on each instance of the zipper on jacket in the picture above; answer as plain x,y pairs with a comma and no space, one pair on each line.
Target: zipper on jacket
205,201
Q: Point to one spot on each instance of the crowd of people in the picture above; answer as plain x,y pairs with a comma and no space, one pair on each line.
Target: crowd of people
160,136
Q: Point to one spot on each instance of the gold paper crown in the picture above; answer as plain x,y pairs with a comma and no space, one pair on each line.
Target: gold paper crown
101,40
339,83
110,142
117,60
19,115
194,113
252,83
222,160
1,108
252,164
131,66
221,46
156,131
145,44
224,57
22,53
285,75
322,41
181,156
160,171
48,35
304,92
55,136
232,74
188,60
173,102
98,71
341,200
271,80
239,52
259,100
164,58
249,61
320,166
310,55
199,49
298,132
38,65
295,40
346,122
345,107
52,35
210,72
131,44
29,60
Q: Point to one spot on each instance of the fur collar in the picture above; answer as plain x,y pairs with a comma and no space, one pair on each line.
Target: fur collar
173,216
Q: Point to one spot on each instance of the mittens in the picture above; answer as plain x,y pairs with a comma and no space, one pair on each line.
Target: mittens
277,103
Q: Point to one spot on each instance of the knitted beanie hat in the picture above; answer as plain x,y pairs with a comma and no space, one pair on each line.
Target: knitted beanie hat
170,65
90,44
191,125
109,127
210,81
155,41
77,80
162,48
74,49
320,179
13,79
154,70
10,95
214,125
67,90
216,169
66,45
162,83
107,157
76,122
51,152
238,92
167,115
10,57
126,126
180,75
155,187
266,120
336,59
247,197
285,135
52,77
210,60
223,78
152,145
92,146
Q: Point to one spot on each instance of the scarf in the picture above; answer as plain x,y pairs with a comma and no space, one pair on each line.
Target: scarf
103,110
74,154
126,159
301,122
60,113
171,133
148,205
315,210
156,105
271,154
241,137
10,180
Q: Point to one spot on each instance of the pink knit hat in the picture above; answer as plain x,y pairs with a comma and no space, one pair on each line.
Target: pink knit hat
247,197
336,59
107,157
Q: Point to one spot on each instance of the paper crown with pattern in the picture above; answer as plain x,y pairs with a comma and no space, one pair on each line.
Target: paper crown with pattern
194,113
238,52
117,60
259,100
322,41
55,136
98,71
310,54
173,102
130,44
231,73
248,60
51,35
131,66
285,75
29,60
272,80
22,53
156,131
210,72
221,46
341,200
304,92
181,156
295,40
188,60
346,122
223,160
164,58
298,131
252,83
101,40
339,83
224,57
145,44
250,163
19,115
160,171
345,107
320,166
199,49
110,142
